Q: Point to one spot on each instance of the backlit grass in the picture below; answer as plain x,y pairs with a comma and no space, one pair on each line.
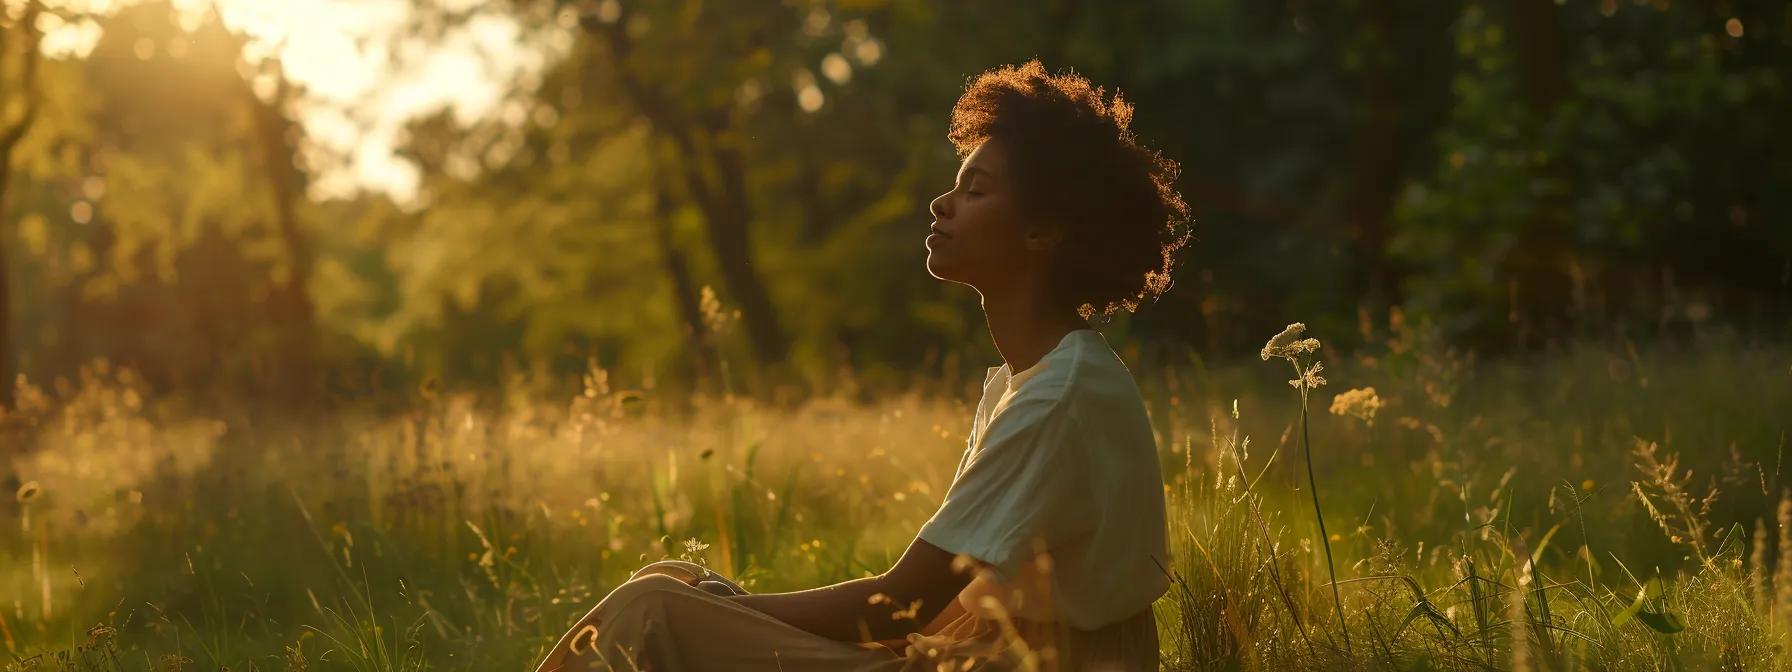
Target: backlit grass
1598,507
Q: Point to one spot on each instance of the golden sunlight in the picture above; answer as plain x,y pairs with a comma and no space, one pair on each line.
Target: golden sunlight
362,75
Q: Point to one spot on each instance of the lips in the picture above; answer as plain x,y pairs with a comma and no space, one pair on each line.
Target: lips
936,229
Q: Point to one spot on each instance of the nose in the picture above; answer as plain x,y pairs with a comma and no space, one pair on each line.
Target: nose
938,207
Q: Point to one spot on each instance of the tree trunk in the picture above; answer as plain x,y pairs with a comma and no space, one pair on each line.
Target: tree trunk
684,291
9,142
731,237
1540,282
1379,148
726,212
1537,33
7,360
809,193
290,304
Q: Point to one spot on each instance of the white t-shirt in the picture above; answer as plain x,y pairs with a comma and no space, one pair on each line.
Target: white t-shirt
1061,458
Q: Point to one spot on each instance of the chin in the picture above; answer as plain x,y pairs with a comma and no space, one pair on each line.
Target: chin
947,267
939,270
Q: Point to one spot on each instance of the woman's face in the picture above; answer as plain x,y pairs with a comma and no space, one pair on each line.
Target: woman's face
979,235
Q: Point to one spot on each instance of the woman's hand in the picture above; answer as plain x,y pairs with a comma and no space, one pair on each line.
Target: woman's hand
935,650
945,618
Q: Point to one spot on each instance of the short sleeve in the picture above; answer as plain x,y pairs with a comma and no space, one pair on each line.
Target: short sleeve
1027,481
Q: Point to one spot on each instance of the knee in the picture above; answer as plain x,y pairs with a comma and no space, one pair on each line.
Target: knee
620,623
655,583
649,587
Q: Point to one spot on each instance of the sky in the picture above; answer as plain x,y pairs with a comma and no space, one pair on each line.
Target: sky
356,99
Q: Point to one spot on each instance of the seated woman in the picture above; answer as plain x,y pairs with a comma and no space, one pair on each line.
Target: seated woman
1049,548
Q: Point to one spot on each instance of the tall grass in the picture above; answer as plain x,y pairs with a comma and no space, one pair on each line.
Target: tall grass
1589,508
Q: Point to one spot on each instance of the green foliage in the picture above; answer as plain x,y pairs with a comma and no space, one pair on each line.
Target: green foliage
145,211
1610,200
1338,161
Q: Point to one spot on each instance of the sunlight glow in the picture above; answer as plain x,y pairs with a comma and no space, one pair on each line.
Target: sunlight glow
356,100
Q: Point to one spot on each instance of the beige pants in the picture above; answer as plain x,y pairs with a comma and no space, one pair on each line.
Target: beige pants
657,623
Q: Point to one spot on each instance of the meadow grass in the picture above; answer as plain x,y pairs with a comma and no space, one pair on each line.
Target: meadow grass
1592,507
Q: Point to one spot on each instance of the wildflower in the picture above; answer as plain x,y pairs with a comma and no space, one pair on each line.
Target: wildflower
715,317
1278,345
1309,378
1305,345
693,547
1290,346
1361,403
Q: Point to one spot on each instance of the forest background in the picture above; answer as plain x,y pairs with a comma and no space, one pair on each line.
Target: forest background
1516,173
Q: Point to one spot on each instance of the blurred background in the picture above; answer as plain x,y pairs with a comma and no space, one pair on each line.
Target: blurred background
312,199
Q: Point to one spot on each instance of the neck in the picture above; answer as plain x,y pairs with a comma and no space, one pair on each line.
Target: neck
1026,325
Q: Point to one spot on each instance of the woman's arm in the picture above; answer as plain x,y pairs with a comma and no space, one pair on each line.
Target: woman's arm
915,591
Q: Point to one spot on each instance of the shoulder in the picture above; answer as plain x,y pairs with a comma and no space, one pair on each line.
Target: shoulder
1086,372
1060,404
1033,414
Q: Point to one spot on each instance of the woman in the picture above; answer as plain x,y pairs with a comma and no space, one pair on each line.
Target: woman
1049,548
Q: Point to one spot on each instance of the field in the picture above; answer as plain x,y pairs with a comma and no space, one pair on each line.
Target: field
464,530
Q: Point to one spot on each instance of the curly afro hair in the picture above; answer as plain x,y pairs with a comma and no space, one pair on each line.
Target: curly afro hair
1076,160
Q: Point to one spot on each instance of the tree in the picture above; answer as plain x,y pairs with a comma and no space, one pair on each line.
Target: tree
1541,272
706,141
24,97
1566,199
289,303
151,233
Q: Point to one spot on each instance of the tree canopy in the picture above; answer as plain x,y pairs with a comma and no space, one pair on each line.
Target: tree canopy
692,186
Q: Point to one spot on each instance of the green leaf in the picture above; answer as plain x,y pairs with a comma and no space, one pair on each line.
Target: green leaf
1663,622
1417,611
1649,590
1538,554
